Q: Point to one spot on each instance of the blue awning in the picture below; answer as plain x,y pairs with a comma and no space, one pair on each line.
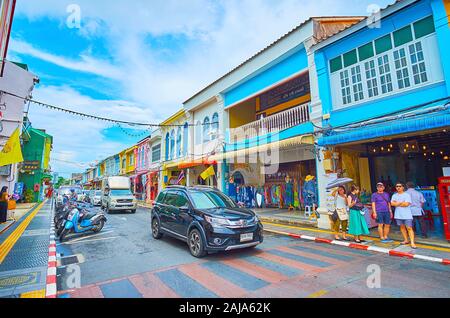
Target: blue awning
386,129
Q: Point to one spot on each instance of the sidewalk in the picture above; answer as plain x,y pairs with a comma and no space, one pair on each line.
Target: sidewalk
283,216
143,204
24,253
424,251
298,219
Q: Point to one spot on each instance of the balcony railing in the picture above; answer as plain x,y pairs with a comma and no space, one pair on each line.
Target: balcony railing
275,123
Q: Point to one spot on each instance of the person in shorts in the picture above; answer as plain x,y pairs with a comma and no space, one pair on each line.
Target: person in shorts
382,212
401,200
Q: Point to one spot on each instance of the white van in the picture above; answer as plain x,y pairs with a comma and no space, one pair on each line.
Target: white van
117,196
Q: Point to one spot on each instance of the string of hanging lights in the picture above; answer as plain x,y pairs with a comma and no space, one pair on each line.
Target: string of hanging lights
99,118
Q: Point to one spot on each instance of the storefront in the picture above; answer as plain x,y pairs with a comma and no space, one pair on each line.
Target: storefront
422,158
152,186
288,182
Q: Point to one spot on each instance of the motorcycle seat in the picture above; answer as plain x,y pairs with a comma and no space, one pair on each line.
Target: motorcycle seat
88,216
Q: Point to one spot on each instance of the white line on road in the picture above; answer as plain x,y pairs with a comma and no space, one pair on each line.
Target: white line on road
94,240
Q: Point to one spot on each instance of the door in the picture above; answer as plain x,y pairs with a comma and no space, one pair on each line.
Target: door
182,218
168,211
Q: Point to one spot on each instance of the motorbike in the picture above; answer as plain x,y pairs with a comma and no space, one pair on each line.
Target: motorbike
61,215
81,221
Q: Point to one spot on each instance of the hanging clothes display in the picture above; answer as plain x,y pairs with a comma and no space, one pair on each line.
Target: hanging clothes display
310,191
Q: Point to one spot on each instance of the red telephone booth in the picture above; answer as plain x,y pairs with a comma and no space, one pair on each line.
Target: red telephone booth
444,194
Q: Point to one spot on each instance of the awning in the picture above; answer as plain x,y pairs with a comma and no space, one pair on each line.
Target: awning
170,165
196,163
281,144
388,129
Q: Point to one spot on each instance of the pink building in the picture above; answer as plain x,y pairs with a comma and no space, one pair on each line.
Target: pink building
142,164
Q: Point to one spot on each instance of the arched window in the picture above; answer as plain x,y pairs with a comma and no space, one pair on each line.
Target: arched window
215,125
206,129
198,133
179,142
167,146
172,144
185,139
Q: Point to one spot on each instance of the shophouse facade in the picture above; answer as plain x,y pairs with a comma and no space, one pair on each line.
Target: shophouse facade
383,91
174,148
265,139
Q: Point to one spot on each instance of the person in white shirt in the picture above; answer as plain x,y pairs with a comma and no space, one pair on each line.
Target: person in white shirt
418,201
403,214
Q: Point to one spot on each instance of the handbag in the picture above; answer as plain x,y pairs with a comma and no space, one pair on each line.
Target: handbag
334,216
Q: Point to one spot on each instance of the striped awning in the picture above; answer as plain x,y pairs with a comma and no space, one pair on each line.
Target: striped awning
281,144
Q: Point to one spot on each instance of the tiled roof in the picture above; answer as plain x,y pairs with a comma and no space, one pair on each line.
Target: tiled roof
349,26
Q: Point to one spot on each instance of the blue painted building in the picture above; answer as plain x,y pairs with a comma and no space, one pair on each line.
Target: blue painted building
383,88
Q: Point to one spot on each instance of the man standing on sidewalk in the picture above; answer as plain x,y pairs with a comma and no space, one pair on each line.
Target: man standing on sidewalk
418,200
382,212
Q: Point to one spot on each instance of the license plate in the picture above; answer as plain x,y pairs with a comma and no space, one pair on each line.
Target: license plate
246,237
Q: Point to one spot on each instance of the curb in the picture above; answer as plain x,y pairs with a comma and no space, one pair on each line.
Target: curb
51,289
364,247
287,222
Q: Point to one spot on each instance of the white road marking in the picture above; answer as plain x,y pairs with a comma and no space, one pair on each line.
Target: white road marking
94,240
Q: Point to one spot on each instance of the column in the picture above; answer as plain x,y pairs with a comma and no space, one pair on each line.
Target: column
322,182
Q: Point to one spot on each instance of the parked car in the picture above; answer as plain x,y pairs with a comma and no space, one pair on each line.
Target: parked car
96,197
206,219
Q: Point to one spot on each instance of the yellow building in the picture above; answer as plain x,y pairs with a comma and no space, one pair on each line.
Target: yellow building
130,160
174,146
123,162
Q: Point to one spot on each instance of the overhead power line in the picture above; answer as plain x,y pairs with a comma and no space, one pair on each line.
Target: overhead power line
89,116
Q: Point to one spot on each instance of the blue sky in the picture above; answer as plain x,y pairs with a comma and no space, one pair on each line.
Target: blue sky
139,60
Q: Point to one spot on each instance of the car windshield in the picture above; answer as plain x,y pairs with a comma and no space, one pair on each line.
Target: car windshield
210,200
124,192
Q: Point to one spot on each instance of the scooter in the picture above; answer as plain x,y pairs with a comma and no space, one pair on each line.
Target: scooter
81,221
61,216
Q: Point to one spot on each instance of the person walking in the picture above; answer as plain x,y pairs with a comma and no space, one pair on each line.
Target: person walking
4,197
401,200
342,214
417,203
357,222
382,212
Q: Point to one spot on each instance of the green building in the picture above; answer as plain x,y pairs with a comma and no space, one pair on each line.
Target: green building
34,171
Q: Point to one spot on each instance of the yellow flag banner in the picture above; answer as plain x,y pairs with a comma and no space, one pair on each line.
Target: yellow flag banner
208,173
11,152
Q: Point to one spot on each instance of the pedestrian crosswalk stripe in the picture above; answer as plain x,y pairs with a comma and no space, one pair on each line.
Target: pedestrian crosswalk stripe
183,285
236,276
302,259
323,253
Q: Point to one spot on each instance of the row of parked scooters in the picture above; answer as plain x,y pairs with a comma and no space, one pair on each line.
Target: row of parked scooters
76,217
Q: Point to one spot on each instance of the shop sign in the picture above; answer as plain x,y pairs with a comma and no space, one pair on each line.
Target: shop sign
28,166
293,89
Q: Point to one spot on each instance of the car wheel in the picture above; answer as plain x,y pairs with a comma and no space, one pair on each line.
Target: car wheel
133,211
156,230
196,244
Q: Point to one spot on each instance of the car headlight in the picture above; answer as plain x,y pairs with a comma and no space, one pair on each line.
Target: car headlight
219,222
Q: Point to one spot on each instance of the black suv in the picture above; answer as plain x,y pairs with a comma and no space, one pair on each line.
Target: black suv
206,219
